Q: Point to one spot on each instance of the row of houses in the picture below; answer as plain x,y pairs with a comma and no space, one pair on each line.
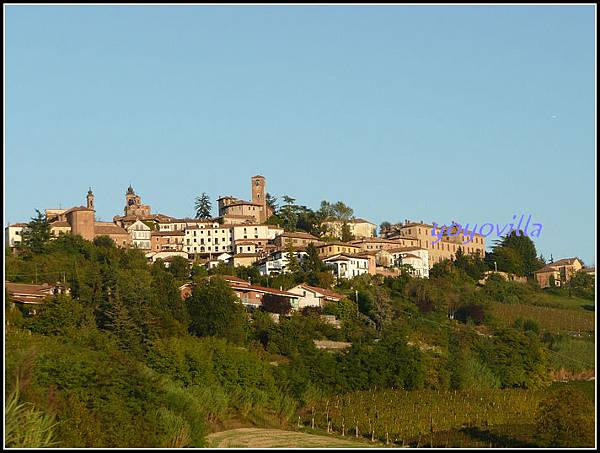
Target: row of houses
253,296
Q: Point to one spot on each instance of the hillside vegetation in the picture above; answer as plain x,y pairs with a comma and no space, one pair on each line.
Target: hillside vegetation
123,361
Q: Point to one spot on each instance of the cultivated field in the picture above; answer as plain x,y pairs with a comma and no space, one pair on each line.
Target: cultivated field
277,438
551,319
397,417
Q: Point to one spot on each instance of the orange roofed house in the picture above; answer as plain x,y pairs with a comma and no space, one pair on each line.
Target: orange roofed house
31,296
312,296
250,295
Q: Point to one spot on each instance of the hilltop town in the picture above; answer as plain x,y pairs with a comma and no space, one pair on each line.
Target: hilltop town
264,317
242,235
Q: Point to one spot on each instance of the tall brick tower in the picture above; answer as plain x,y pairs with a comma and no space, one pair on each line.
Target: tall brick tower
258,194
90,199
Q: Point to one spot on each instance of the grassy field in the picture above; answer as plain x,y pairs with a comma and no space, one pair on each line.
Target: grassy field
277,438
586,387
561,301
555,320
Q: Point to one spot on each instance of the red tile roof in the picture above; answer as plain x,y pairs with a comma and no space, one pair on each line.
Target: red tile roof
326,292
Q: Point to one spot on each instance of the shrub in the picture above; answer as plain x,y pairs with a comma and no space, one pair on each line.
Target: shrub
566,419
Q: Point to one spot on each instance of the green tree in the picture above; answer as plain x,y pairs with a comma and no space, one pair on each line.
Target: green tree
37,235
582,285
566,419
104,241
293,265
203,206
384,227
518,359
272,303
214,310
179,267
271,201
516,254
119,321
347,236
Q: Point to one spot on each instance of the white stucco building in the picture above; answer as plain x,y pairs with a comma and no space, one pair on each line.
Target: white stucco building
312,296
208,239
347,266
277,262
13,234
181,224
140,235
416,257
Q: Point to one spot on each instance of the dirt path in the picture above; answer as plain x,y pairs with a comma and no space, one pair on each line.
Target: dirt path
274,438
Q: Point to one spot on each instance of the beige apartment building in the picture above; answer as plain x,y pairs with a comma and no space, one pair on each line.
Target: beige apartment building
369,244
442,249
167,240
559,272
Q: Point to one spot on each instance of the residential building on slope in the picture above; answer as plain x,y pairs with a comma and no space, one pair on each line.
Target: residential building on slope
558,273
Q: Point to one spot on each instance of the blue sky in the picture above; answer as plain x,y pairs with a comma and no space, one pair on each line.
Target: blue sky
471,114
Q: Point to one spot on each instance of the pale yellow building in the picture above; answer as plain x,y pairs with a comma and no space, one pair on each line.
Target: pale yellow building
426,237
337,248
359,228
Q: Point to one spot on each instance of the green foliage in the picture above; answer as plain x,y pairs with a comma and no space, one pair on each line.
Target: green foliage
61,315
396,416
273,303
203,206
347,235
515,254
214,310
179,267
126,362
566,419
103,241
470,372
518,359
573,354
473,265
582,285
506,292
25,426
99,396
470,313
527,325
36,236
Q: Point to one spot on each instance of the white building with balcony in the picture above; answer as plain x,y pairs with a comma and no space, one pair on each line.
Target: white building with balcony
277,262
347,266
140,235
